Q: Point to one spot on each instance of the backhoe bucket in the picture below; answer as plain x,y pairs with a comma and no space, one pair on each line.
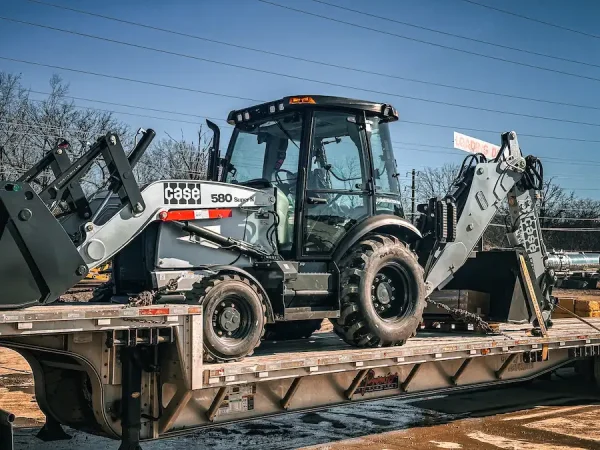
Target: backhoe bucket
38,260
498,273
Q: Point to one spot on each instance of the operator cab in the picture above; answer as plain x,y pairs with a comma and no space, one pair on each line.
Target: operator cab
329,158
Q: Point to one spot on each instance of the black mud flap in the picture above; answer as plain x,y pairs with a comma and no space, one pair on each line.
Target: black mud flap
498,273
38,260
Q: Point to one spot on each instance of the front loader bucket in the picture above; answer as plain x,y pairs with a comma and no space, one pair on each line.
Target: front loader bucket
38,260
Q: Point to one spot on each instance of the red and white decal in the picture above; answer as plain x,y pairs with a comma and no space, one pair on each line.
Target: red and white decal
194,214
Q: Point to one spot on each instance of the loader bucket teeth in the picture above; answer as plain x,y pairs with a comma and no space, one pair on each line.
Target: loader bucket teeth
38,260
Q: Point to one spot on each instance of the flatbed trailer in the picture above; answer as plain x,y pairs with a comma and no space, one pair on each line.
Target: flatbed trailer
136,373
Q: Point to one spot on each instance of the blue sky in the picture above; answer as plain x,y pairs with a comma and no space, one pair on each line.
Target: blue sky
259,25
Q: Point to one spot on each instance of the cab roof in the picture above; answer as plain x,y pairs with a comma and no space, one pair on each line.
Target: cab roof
298,102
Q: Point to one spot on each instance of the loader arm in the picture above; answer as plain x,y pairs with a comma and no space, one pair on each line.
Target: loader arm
103,242
475,198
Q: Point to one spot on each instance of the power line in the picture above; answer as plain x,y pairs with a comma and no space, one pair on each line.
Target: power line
550,24
452,153
461,153
186,89
551,159
200,116
437,125
72,131
131,80
312,61
299,78
445,33
44,135
39,125
570,229
594,219
447,47
67,131
129,114
551,229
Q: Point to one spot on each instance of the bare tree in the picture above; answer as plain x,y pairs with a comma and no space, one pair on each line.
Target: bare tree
570,222
435,181
29,128
176,158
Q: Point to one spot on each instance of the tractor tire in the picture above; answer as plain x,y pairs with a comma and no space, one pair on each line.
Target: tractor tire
383,293
234,316
288,331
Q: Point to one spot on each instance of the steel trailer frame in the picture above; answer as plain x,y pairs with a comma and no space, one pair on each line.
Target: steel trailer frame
136,373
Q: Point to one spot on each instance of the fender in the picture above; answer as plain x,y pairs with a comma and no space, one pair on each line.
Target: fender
224,269
385,223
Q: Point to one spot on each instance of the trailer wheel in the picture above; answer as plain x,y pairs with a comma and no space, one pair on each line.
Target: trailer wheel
234,316
383,293
287,331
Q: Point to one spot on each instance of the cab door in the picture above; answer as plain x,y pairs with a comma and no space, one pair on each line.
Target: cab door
338,184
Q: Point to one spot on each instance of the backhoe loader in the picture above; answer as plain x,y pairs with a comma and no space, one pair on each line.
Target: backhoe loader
300,219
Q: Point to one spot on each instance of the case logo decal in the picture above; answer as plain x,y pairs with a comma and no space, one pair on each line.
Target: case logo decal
181,193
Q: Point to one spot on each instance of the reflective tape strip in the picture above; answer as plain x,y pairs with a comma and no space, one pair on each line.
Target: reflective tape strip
154,312
195,214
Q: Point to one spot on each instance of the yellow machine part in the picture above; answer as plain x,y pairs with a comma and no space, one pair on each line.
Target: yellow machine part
100,273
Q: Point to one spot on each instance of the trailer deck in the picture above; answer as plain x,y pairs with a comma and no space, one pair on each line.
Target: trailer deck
92,353
327,352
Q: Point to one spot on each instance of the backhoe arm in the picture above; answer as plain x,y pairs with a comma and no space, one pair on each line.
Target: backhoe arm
467,211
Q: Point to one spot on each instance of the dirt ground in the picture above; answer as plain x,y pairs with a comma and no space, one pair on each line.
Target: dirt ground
16,389
579,294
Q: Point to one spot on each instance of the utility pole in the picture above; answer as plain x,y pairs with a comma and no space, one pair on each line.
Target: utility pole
413,194
543,210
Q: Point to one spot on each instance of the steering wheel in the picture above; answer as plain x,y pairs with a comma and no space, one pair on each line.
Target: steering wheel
278,178
286,186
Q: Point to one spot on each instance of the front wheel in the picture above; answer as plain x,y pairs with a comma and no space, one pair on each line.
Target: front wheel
234,316
383,294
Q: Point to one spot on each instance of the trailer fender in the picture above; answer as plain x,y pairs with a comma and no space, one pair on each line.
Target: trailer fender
233,269
384,223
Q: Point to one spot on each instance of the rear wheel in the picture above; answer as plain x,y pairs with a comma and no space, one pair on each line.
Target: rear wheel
234,316
287,331
383,293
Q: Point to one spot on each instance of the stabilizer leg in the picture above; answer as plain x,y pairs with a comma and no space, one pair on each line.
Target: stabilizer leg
131,399
52,431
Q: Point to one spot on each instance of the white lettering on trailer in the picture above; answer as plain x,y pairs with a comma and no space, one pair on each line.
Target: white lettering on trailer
473,145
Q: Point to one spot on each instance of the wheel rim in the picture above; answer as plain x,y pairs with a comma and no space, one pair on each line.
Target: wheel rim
232,319
391,292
